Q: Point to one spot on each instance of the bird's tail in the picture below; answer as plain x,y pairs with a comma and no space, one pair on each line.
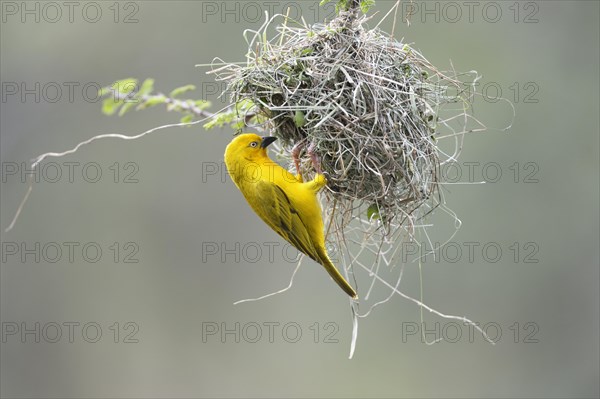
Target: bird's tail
335,274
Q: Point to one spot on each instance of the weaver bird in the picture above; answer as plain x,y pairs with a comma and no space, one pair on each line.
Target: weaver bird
283,201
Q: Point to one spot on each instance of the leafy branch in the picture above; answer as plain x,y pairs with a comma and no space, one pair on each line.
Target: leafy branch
347,5
126,95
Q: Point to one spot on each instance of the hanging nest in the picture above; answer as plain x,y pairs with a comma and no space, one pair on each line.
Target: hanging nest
367,104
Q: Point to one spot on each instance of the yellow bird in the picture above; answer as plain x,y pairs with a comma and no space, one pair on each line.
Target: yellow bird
283,201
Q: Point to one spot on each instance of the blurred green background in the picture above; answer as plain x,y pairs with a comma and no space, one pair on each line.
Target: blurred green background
547,51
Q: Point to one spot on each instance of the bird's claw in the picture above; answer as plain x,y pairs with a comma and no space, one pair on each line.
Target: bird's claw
296,150
314,158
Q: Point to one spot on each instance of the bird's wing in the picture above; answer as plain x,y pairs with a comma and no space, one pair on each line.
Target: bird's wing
275,208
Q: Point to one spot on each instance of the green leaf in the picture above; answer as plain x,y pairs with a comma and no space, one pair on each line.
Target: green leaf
234,117
110,106
365,5
104,91
146,88
187,118
238,125
125,85
202,104
152,101
299,119
209,125
127,106
409,164
219,120
373,212
180,90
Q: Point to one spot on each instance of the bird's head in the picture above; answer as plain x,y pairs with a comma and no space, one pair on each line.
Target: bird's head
244,155
248,146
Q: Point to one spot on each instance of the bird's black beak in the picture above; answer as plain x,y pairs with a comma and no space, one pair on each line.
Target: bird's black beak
266,141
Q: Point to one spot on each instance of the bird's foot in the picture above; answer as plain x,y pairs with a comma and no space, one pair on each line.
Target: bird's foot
314,158
318,182
296,150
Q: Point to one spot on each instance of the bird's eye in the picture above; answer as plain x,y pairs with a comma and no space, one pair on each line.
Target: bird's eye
253,144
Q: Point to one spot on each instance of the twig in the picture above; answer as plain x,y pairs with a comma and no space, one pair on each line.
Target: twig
276,292
36,161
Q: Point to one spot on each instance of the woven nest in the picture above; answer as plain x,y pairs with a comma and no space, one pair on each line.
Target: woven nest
367,103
